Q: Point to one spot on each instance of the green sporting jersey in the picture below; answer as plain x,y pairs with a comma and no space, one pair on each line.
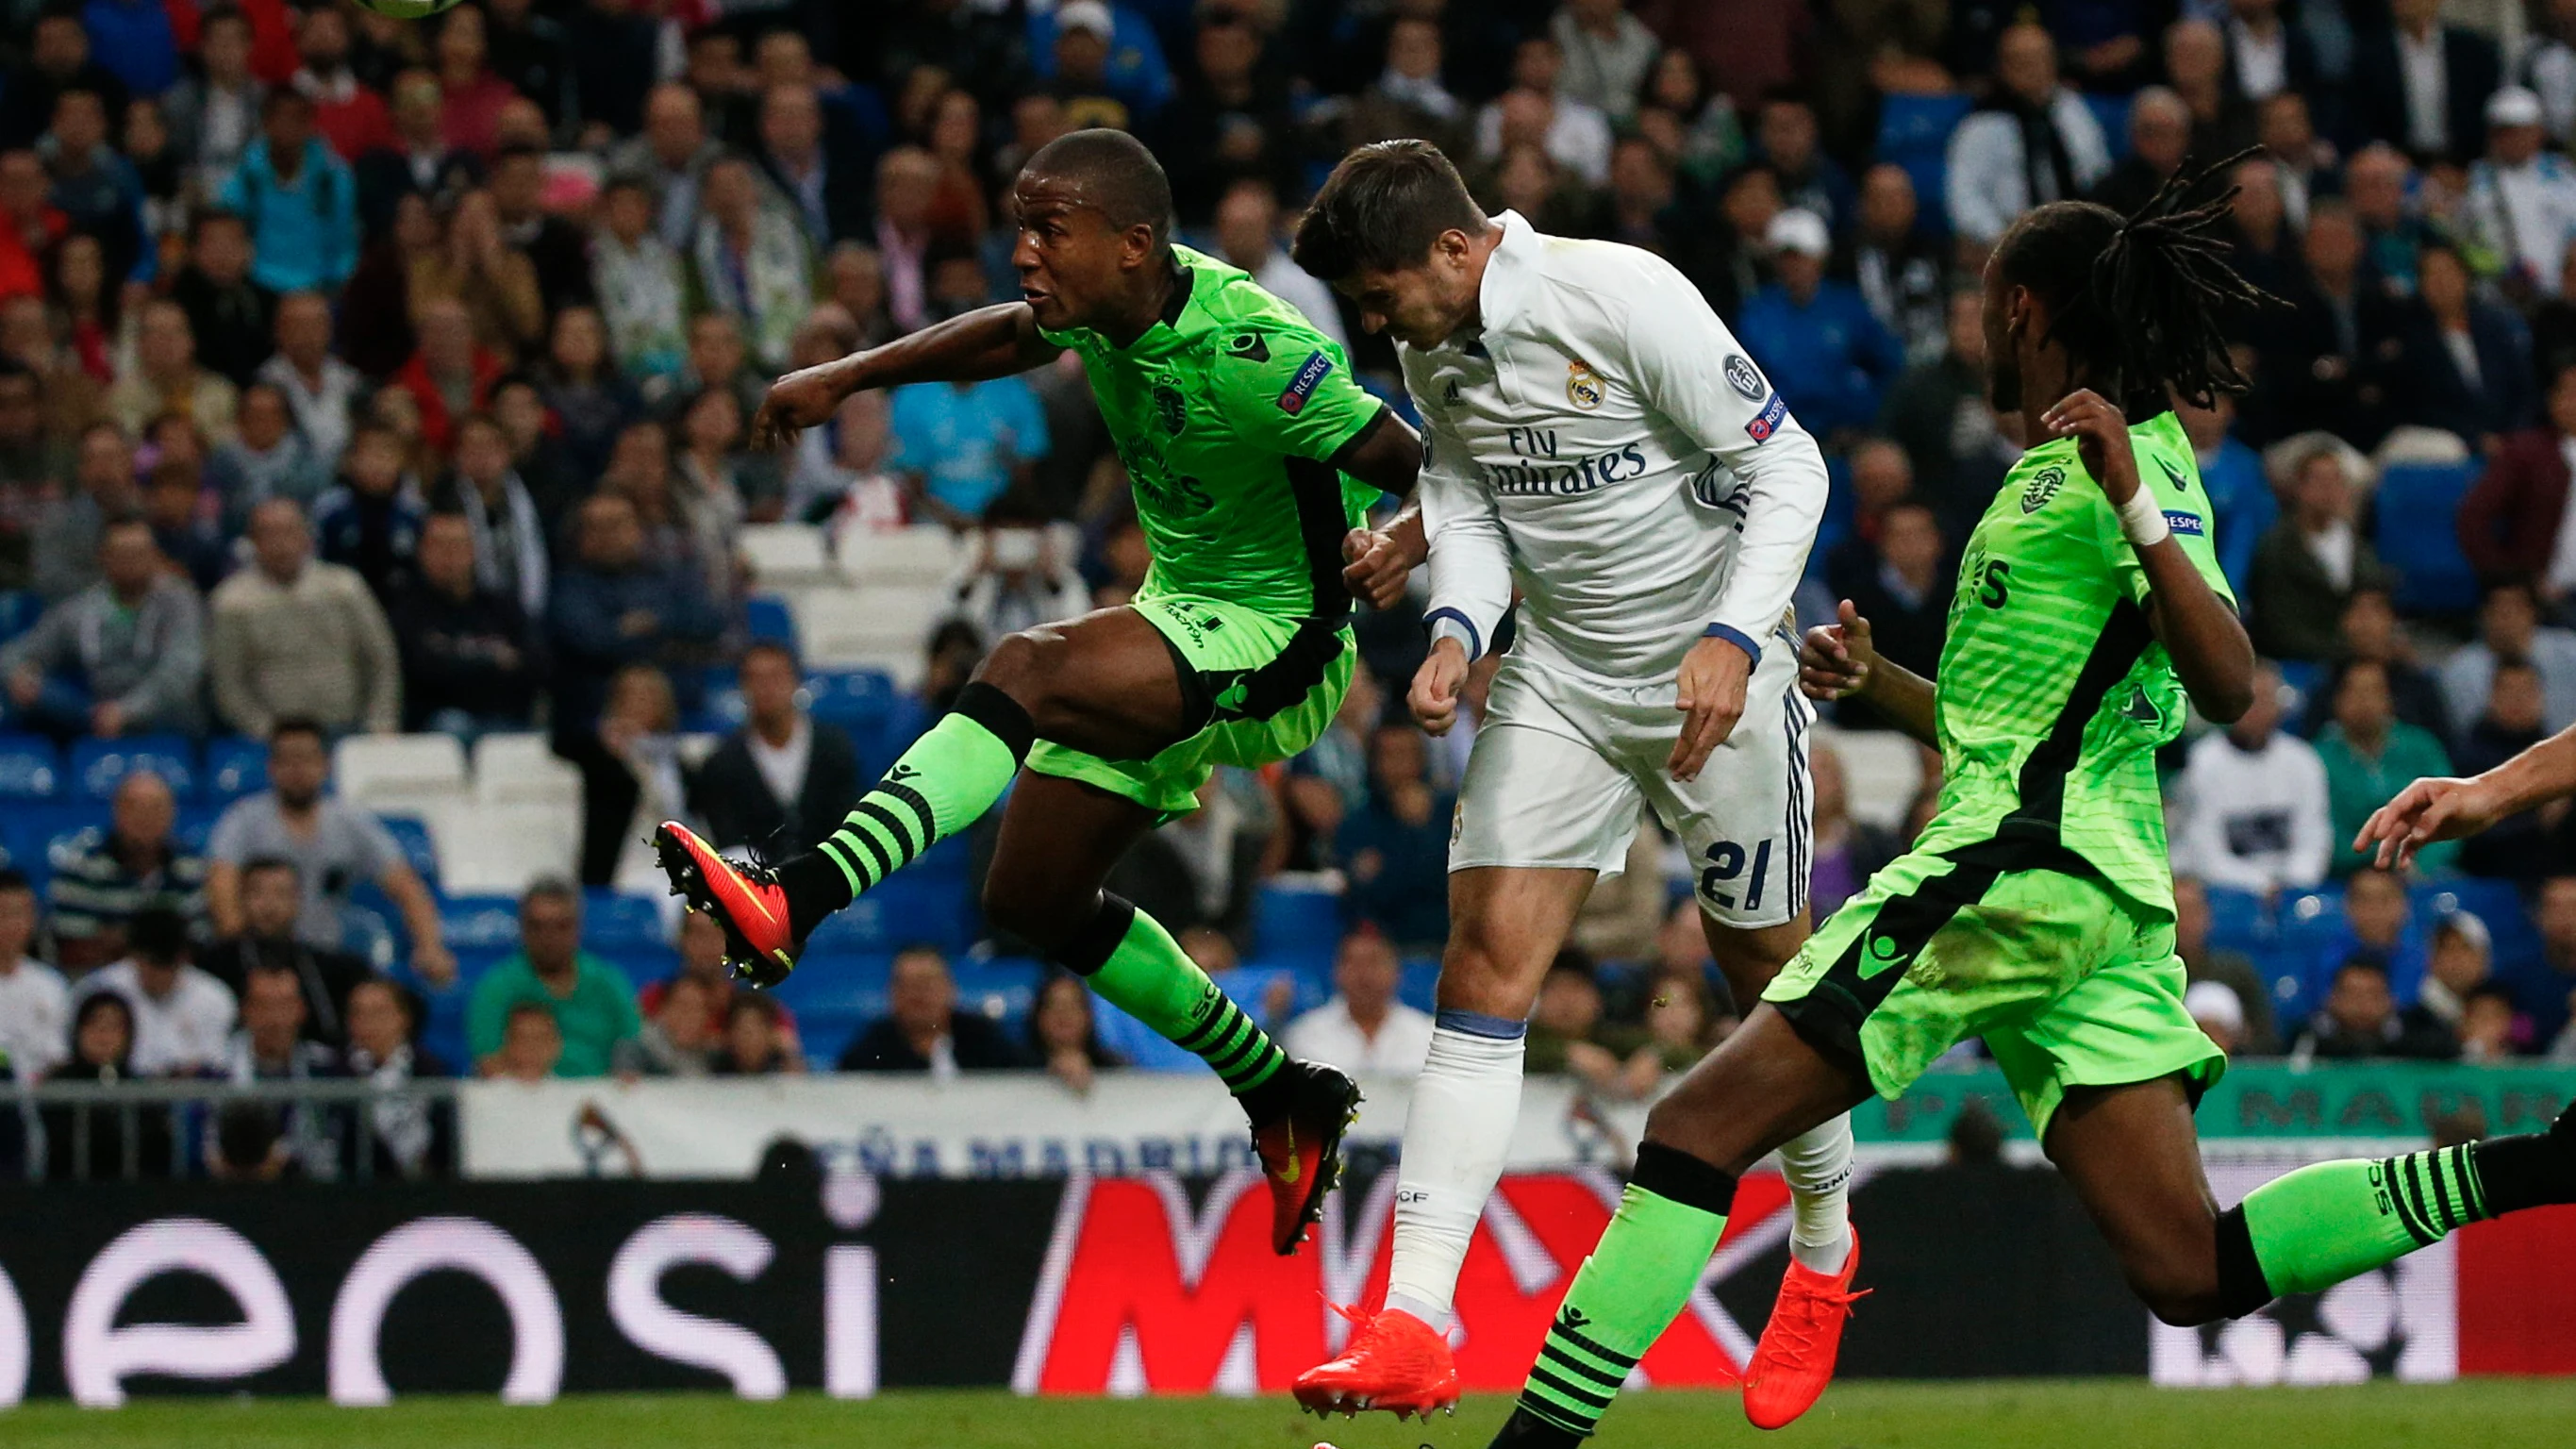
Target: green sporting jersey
1225,413
2053,694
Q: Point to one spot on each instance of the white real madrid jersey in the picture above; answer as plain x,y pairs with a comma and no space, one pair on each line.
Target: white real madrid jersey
1604,443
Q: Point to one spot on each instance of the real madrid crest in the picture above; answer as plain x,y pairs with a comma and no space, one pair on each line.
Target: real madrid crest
1582,385
2043,487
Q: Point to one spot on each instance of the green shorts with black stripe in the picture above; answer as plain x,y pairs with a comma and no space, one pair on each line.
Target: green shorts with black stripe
1259,687
2070,983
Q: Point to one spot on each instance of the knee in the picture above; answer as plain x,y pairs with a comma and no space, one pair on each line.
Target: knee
1749,959
1477,975
2177,1289
1026,666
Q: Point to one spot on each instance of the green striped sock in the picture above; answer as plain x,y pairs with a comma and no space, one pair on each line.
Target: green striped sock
2326,1222
949,777
1152,979
1638,1279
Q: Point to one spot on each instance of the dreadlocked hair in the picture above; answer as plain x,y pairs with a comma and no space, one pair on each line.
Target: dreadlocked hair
2139,303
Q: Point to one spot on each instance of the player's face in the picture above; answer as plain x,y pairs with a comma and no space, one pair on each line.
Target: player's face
1419,306
1071,261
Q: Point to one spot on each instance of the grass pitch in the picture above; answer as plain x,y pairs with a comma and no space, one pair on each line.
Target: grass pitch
2022,1414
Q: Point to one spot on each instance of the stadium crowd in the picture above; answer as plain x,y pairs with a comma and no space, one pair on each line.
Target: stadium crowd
361,376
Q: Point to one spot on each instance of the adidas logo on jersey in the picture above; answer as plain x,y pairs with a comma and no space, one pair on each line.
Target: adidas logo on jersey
1449,392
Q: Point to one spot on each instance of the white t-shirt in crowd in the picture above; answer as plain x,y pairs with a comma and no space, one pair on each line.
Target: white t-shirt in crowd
1327,1034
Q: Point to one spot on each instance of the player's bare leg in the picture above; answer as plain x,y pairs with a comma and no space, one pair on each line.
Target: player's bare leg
1803,1337
1507,924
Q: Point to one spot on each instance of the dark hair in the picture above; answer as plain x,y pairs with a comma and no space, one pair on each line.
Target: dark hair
2140,303
158,934
91,1006
1381,210
2363,961
296,724
1119,177
14,879
259,863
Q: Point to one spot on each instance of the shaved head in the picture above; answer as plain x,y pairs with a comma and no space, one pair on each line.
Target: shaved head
1111,172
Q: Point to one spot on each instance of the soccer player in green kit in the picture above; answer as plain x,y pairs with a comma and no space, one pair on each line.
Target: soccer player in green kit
2036,908
1253,454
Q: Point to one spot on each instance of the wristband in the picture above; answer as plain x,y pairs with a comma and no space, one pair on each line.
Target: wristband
2142,519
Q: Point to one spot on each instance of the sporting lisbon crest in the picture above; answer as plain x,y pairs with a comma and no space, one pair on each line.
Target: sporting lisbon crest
2043,487
1582,385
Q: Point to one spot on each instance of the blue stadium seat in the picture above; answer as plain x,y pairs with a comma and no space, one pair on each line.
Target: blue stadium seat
2112,114
833,996
2416,535
30,768
768,618
2238,920
486,925
19,610
1250,987
911,906
235,766
412,834
1004,988
99,766
615,924
2497,903
1416,986
2306,923
1142,1046
1296,924
2307,677
720,708
1914,134
858,700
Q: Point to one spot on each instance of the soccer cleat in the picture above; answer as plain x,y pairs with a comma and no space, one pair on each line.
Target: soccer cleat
1394,1361
745,899
1795,1359
1301,1147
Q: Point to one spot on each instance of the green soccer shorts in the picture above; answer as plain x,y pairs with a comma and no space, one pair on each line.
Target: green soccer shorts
1258,688
2070,983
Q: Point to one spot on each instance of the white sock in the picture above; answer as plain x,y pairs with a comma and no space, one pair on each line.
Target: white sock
1817,1165
1455,1140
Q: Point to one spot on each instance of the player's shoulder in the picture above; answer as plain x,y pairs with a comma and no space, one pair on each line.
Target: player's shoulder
1226,302
1589,268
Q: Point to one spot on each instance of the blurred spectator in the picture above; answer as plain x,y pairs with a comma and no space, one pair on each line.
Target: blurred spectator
31,466
631,776
2463,365
94,185
2159,139
1607,54
271,1046
478,268
784,780
1395,849
2307,567
295,637
334,846
1904,591
712,464
1247,235
532,1046
1786,140
1063,1035
59,57
184,528
1694,129
2241,502
2258,810
613,608
676,1039
1900,272
2515,525
1408,99
370,521
124,655
2224,967
34,1003
2490,1029
701,945
1534,112
2422,86
751,260
754,1044
2266,55
841,479
468,653
319,388
1328,781
103,876
409,1137
416,161
923,1031
2219,1011
556,250
2263,241
2509,630
272,905
2373,633
2360,1019
591,1001
2378,922
166,379
182,1017
351,116
2369,755
963,444
825,185
471,96
2034,141
907,183
510,556
451,374
229,314
669,158
93,1143
589,399
716,357
2521,199
1937,411
1817,338
299,201
1103,56
1019,579
1363,1028
642,285
2379,182
1846,852
1567,1012
266,458
69,530
1235,108
2521,846
2195,65
2459,970
2320,355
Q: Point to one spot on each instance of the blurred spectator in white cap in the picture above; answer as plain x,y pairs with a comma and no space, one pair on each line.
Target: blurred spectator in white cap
2215,1006
1825,351
2522,199
2458,967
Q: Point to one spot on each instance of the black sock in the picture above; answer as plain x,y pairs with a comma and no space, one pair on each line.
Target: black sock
1525,1430
815,887
2534,1169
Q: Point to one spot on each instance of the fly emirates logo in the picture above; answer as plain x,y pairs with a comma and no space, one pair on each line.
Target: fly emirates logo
1536,469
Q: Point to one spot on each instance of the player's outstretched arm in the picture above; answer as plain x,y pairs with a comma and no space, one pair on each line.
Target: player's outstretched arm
2211,654
1838,661
990,341
2441,809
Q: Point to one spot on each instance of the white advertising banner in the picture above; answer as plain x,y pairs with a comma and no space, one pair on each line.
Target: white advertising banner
986,1125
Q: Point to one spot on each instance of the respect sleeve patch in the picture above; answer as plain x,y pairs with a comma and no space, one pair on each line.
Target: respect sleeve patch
1767,421
1309,376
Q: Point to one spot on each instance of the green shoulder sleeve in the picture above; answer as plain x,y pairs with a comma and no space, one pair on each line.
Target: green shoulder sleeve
2168,470
1289,389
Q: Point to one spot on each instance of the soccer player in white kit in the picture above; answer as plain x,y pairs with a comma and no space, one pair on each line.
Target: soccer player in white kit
1598,440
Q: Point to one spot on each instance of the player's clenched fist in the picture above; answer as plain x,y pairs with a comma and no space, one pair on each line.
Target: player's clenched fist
1834,660
1375,567
1434,696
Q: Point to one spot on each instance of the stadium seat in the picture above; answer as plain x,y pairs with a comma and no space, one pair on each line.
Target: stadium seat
499,848
413,835
383,770
99,766
614,923
858,700
2238,920
486,925
785,555
853,627
1914,135
1142,1046
30,768
1296,922
1881,771
2112,114
2514,935
19,611
235,767
2415,506
1250,986
2307,923
928,555
1004,988
768,618
523,769
2304,677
